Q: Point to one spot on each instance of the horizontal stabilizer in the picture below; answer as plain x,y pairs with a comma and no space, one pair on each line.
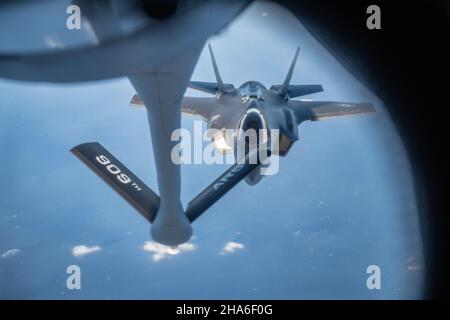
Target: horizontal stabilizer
222,185
209,87
299,90
119,177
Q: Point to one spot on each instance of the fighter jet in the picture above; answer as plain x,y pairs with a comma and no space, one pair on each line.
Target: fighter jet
254,107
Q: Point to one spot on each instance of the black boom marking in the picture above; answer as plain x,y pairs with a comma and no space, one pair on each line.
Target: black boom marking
119,177
219,187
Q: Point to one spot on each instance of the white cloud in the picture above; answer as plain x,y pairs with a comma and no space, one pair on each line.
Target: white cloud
161,251
230,247
9,253
81,250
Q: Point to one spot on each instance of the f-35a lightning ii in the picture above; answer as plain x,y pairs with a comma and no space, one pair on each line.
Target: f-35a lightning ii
252,106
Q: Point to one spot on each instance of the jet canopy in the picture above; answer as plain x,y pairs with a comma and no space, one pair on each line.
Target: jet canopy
252,90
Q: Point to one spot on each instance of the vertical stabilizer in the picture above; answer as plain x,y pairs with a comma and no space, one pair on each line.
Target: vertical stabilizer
220,85
285,86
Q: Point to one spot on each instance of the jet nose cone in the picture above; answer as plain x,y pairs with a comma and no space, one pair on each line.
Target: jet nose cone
254,103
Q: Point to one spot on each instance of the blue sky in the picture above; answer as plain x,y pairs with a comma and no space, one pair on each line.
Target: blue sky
343,199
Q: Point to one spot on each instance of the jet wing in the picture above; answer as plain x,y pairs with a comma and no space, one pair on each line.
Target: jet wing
320,110
192,106
196,106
